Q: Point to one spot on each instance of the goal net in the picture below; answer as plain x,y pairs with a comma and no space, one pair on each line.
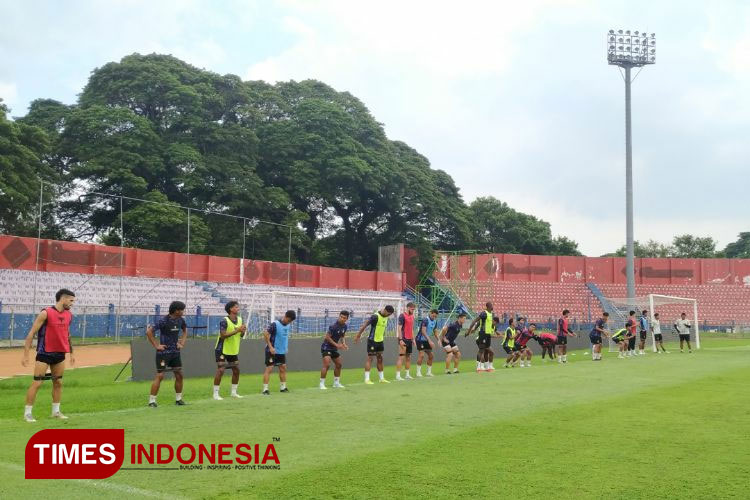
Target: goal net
668,308
315,311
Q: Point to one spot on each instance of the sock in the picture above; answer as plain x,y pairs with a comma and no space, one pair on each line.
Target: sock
380,375
216,390
234,388
282,386
367,375
55,407
429,370
177,396
27,409
336,380
151,399
322,381
265,387
419,369
398,374
408,373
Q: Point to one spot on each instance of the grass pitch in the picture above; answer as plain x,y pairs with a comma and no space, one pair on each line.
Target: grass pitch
656,426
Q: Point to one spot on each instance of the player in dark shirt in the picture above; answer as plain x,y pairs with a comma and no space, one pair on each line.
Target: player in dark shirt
172,335
333,341
448,336
600,328
632,326
523,335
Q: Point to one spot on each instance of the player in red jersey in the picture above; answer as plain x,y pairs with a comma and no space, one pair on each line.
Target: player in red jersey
53,342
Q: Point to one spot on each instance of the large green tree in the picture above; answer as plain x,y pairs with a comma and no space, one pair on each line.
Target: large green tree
739,249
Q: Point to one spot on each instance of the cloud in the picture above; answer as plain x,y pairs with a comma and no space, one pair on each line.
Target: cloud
9,94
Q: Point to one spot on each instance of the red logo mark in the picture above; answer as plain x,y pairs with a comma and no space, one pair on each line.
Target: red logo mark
75,453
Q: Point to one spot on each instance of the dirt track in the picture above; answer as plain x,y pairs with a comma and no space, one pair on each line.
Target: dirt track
87,355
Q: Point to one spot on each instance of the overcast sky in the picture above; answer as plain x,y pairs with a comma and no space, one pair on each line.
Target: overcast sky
512,99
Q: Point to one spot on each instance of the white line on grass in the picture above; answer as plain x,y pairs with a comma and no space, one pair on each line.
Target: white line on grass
118,487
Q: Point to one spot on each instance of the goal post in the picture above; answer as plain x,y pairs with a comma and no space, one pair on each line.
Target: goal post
669,309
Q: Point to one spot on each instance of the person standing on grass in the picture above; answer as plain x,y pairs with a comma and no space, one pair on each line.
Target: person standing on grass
375,341
227,348
448,336
509,344
329,350
53,328
427,327
632,325
563,332
277,344
682,326
405,336
484,339
600,328
168,347
620,338
656,331
644,328
523,335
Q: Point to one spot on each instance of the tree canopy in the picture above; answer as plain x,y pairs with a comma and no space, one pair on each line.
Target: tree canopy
298,154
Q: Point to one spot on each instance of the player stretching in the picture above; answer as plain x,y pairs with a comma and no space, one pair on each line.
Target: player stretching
631,325
168,350
563,332
405,334
377,322
227,348
656,330
484,339
277,346
600,328
509,343
523,336
547,341
643,325
620,339
333,341
53,326
682,326
424,343
448,337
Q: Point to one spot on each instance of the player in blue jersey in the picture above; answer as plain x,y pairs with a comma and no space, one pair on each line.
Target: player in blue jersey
427,328
277,343
448,336
172,336
333,341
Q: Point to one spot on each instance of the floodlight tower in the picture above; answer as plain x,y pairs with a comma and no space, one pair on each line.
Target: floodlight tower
630,50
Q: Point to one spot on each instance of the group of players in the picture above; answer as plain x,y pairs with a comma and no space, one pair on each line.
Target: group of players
52,328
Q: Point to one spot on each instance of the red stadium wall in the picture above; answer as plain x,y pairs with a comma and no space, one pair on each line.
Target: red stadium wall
87,258
605,270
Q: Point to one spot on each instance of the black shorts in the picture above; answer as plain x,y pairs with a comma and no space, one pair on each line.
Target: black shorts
518,348
332,354
275,359
685,337
643,335
562,340
484,341
507,349
423,345
374,348
448,344
226,358
409,345
50,358
617,340
631,343
657,337
166,360
595,339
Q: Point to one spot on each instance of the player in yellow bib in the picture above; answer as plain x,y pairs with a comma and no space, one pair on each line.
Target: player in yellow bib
227,348
377,323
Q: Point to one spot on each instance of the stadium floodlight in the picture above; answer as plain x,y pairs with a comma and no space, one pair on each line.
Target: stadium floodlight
630,52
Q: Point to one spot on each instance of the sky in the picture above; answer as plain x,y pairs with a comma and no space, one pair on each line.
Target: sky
513,99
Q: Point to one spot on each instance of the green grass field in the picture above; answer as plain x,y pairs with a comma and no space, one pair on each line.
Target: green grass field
659,426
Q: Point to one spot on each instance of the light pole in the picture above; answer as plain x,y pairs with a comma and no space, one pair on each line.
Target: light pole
630,50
